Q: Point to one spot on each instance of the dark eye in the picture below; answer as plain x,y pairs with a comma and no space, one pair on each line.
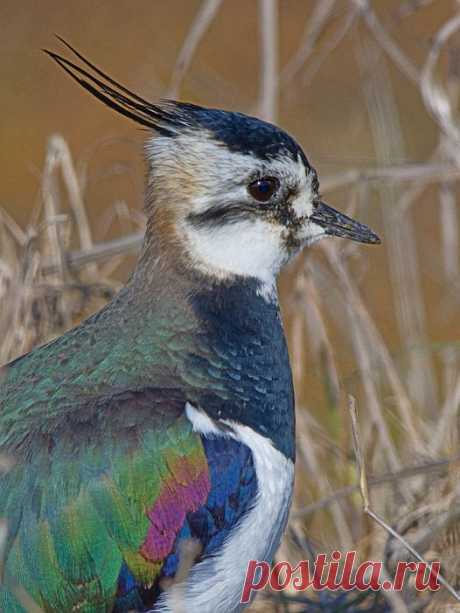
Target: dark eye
263,189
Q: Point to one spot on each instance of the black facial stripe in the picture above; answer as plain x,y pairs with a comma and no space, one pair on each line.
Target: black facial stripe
286,216
221,215
280,211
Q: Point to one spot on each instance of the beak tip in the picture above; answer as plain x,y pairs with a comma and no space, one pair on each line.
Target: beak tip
338,224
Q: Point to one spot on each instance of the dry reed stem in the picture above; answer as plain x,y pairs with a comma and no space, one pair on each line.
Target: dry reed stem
360,314
314,27
51,211
77,206
310,463
364,490
436,100
371,394
100,252
426,173
412,6
385,41
407,472
447,420
268,96
189,550
399,233
450,232
329,45
321,346
205,16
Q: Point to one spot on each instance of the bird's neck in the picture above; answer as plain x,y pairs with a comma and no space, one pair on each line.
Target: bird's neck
243,348
222,343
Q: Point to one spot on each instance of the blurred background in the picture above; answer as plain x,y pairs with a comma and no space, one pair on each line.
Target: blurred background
370,90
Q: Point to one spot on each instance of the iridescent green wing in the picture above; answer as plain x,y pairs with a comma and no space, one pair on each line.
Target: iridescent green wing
105,493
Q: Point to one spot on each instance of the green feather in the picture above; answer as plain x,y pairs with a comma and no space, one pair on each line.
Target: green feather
74,533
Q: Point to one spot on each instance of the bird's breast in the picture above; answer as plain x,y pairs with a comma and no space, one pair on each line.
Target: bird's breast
244,517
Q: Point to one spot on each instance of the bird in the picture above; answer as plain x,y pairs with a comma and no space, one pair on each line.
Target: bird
162,428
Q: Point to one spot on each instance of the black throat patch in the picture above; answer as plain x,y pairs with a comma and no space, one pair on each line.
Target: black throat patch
242,355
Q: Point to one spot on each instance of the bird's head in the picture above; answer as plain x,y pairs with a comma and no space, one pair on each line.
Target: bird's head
228,194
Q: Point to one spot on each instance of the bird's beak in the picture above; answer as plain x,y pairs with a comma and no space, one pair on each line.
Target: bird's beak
338,224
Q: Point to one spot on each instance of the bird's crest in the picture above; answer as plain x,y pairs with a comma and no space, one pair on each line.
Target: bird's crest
238,132
167,118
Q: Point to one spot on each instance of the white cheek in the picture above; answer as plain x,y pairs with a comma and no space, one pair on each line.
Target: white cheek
250,248
303,204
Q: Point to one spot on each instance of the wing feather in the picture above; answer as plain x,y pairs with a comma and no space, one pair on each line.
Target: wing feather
81,511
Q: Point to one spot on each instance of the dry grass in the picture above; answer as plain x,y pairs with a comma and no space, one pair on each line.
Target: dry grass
53,274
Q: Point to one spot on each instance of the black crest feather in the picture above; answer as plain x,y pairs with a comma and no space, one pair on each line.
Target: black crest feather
166,119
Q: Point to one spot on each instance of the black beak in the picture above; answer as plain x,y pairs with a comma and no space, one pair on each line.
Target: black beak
338,224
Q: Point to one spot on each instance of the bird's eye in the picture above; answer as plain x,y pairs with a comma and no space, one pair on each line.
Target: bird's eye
263,189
